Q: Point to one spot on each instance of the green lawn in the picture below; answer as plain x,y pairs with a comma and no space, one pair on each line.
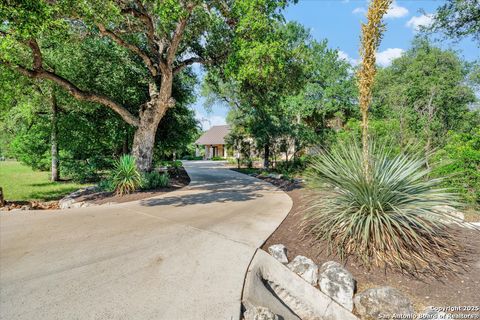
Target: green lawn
20,182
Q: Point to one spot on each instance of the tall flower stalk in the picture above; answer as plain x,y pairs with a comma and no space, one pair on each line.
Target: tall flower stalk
370,40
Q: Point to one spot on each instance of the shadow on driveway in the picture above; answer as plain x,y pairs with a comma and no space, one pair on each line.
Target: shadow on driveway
233,191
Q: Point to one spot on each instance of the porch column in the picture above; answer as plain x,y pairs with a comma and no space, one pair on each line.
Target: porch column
197,151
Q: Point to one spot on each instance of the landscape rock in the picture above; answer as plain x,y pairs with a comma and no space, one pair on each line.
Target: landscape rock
431,314
275,176
279,252
66,202
305,268
382,302
259,313
82,204
451,215
336,282
25,207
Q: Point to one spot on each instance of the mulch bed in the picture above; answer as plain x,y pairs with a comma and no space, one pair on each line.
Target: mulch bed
178,179
462,289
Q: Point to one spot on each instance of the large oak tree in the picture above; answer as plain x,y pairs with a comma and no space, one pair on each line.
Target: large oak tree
165,35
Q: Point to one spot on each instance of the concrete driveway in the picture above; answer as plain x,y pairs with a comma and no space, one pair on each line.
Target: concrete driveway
182,255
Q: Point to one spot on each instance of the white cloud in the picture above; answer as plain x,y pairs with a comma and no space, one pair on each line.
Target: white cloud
209,120
418,21
395,11
384,58
344,56
359,10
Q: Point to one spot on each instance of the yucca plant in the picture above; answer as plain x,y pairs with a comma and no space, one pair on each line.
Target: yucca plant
384,217
126,177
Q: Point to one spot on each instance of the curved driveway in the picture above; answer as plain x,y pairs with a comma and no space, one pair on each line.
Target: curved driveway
182,255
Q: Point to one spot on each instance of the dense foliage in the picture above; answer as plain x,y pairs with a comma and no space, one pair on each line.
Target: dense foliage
458,19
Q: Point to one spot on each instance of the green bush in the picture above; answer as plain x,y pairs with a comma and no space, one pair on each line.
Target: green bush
81,170
126,177
384,217
154,180
106,185
176,164
171,164
217,158
459,162
247,162
232,161
192,158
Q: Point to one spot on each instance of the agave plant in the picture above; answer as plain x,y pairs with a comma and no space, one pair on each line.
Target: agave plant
126,177
385,216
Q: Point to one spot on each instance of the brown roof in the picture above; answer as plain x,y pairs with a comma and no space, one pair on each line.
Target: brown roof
214,135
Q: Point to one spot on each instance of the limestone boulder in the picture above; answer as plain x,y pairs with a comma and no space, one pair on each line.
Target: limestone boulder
305,268
381,303
449,214
337,283
279,252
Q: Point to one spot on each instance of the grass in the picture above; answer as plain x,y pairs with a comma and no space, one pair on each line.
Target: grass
21,183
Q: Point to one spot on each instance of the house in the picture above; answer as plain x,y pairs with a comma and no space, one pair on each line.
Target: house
214,142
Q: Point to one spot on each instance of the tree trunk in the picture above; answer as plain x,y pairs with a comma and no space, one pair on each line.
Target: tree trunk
266,156
55,170
125,142
150,115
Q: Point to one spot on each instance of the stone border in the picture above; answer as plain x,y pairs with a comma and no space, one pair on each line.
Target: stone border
270,284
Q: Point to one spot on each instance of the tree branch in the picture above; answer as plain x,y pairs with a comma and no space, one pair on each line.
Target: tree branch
39,73
147,20
146,59
182,65
37,55
177,35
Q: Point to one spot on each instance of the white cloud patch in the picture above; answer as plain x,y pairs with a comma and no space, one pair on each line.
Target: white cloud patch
384,58
359,10
416,22
209,120
344,56
396,11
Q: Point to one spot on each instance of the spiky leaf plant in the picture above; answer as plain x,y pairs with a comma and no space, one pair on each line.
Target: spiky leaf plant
386,219
126,177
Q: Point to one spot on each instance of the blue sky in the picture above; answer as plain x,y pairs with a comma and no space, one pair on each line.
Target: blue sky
339,22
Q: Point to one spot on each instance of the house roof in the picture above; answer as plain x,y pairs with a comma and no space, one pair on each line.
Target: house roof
214,135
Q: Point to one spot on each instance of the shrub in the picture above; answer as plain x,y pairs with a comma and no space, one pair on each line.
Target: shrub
192,158
217,158
385,217
459,160
176,164
247,162
154,180
106,185
81,170
126,177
